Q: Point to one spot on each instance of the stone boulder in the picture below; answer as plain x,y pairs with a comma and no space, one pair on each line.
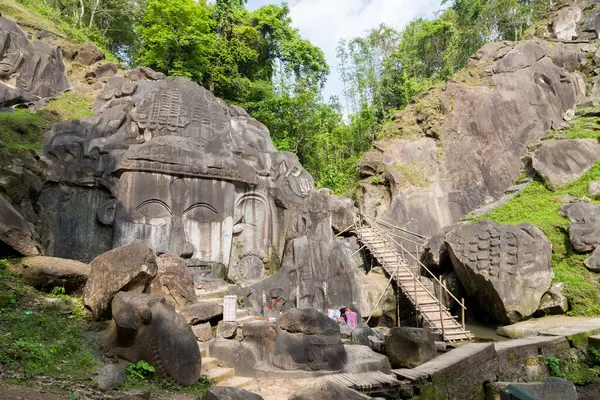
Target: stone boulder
145,327
203,332
593,263
129,268
553,302
360,335
322,389
45,273
343,213
88,54
371,287
29,70
174,281
229,393
409,347
506,269
200,312
111,376
227,330
562,162
584,231
309,322
17,236
594,190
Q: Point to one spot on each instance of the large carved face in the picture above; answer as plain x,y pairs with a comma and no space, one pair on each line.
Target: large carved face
190,217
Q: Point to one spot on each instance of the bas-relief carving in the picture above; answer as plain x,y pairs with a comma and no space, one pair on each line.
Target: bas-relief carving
190,217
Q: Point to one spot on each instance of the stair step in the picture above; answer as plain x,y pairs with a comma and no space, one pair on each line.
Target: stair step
220,374
208,363
203,349
248,318
242,312
237,382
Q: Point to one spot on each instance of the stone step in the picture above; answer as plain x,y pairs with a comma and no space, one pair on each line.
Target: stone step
203,349
208,363
212,293
241,312
220,374
237,382
248,318
217,300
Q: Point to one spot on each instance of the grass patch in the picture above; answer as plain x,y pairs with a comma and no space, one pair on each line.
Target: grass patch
538,205
158,386
70,105
23,130
42,335
413,174
18,12
583,128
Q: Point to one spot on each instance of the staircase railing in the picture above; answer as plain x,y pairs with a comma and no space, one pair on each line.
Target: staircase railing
376,224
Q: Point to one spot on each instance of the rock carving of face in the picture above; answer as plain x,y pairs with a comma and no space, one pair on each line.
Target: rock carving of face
189,217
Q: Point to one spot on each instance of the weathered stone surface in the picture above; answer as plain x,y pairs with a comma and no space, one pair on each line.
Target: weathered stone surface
361,334
593,263
17,236
564,161
309,322
584,231
564,25
145,327
103,71
45,273
372,286
88,54
203,332
506,268
111,376
533,327
29,70
364,359
549,389
174,281
343,213
227,330
128,268
321,389
445,140
376,344
594,190
299,351
553,302
409,347
227,393
201,312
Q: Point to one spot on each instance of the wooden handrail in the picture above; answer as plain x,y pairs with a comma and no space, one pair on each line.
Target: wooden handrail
394,226
417,260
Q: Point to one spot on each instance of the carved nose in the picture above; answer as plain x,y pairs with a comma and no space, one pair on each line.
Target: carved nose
188,251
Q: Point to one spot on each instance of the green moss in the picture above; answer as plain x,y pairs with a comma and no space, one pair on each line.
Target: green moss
531,361
413,174
539,206
18,12
70,105
582,376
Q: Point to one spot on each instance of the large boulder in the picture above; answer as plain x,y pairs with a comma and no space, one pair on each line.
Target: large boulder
174,281
506,269
409,347
584,231
324,389
45,273
433,164
593,263
145,327
553,302
29,70
129,268
564,161
202,311
309,322
343,213
17,236
229,393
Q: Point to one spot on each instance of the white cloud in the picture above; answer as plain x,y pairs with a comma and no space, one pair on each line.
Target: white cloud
325,22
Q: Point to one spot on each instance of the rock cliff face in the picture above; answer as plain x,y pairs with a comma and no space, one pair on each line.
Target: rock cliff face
460,145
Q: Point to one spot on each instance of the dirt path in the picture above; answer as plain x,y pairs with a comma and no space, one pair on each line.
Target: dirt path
14,392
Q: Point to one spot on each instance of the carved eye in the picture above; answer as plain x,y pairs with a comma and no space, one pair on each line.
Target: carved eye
153,212
201,212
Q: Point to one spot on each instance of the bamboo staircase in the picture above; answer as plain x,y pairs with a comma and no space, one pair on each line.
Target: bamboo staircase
435,315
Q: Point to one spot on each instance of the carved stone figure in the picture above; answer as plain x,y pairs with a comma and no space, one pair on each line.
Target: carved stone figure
506,268
144,327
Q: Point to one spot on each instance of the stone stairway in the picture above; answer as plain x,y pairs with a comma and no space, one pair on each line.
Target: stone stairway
435,315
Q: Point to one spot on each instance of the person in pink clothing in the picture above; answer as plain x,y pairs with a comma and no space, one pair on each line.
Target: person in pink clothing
352,316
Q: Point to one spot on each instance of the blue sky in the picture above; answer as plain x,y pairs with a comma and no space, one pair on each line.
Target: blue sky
325,22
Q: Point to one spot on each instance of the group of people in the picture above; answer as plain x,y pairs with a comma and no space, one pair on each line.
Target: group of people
344,315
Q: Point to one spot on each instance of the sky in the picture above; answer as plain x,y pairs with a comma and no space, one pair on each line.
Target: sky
325,22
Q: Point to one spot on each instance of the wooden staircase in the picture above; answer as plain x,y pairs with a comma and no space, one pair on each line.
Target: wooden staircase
435,315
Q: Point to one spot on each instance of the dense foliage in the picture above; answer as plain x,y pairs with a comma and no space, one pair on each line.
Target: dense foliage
256,59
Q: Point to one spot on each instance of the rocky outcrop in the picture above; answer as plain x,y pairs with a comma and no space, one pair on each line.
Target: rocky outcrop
584,231
129,268
227,393
565,161
553,302
202,312
145,327
506,269
174,281
17,236
432,164
29,70
409,347
46,273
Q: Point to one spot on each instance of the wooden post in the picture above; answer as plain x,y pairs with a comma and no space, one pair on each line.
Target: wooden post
416,301
462,300
441,314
